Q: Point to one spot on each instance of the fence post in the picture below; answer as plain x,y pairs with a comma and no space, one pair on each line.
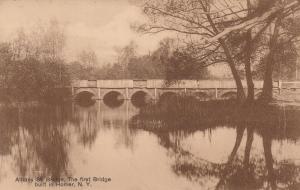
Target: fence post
72,91
127,94
99,93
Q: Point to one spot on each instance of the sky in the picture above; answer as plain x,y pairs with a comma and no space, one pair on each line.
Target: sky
99,25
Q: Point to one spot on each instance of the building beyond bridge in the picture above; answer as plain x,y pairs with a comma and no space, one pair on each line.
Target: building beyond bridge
203,89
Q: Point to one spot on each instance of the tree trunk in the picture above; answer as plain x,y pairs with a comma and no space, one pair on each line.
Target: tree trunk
267,144
249,41
250,132
230,60
236,77
239,136
267,92
250,84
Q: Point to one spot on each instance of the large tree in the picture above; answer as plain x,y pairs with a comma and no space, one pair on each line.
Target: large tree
281,43
200,21
212,26
270,26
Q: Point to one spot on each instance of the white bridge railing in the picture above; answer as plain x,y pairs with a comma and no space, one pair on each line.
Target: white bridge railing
204,84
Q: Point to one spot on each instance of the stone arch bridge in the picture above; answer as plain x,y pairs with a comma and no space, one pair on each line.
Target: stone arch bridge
202,89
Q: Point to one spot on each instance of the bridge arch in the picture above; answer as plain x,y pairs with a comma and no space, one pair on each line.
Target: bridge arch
201,95
84,97
229,95
84,91
108,92
113,98
140,97
147,92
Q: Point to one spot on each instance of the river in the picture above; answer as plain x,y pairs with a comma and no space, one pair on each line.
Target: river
97,141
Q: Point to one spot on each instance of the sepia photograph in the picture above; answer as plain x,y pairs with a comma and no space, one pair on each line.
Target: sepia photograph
150,94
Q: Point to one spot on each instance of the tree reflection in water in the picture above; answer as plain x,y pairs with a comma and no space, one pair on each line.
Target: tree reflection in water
8,128
37,140
238,172
87,124
41,147
43,136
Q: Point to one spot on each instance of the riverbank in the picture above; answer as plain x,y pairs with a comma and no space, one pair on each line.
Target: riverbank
188,113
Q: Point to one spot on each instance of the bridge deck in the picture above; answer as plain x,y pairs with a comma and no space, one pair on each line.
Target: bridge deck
204,84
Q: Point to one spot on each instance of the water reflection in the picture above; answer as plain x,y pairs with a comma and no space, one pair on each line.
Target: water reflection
72,140
87,124
261,170
35,140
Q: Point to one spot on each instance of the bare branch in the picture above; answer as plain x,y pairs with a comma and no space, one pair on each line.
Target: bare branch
255,21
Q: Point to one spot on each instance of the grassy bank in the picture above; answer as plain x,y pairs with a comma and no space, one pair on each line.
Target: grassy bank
188,113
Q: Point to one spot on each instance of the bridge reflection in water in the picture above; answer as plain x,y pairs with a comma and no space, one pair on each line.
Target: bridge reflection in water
100,140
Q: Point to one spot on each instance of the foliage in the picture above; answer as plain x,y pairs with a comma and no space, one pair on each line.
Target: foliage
30,79
181,65
285,65
32,66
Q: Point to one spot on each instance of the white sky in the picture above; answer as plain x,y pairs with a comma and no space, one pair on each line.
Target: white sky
100,25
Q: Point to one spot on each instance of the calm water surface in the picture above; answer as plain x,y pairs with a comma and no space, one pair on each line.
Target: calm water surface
98,141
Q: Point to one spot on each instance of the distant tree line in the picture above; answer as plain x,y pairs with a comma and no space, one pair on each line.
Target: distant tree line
166,62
